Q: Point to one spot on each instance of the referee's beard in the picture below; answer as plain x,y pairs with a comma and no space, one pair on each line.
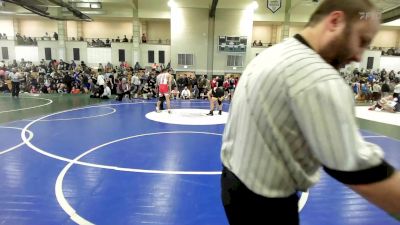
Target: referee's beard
338,52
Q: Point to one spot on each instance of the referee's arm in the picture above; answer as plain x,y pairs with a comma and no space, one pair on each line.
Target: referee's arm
325,113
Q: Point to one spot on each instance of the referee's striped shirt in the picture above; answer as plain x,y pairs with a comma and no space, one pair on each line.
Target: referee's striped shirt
292,113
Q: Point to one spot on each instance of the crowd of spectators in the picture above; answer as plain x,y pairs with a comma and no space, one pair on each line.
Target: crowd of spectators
123,80
387,51
3,36
107,42
103,81
24,40
372,86
93,42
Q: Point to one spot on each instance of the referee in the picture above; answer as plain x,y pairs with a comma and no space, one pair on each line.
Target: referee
300,116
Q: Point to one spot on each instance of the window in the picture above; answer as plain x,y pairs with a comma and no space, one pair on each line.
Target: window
235,60
47,53
185,59
161,57
150,57
76,54
121,55
4,52
370,63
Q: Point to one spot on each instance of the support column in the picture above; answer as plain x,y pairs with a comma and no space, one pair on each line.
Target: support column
79,29
143,29
136,39
286,24
210,54
62,36
274,34
398,39
16,27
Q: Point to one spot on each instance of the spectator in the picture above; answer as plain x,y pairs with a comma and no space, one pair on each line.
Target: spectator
125,39
144,38
107,93
185,93
55,36
175,93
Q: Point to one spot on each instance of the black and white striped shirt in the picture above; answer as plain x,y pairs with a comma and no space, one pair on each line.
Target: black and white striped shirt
292,113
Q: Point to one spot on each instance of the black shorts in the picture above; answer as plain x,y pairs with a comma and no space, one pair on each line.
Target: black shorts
397,107
218,93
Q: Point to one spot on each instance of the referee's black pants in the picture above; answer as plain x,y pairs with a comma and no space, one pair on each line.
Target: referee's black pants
15,89
244,207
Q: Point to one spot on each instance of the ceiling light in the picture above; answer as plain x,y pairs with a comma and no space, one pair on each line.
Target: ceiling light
254,5
172,4
96,5
6,12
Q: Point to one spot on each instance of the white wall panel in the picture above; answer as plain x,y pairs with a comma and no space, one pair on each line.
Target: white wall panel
28,53
98,55
390,63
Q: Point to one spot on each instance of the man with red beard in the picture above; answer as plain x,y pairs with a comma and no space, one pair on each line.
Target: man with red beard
293,114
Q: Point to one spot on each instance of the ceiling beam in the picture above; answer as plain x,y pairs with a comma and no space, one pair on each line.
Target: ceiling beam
213,8
135,4
391,15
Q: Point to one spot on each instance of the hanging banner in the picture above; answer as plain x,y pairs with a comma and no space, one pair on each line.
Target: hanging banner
274,5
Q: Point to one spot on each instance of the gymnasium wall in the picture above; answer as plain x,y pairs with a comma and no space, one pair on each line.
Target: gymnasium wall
6,25
127,47
262,32
144,49
153,11
37,27
232,22
72,29
295,30
107,29
98,55
82,46
53,45
158,30
386,38
376,55
189,35
390,63
28,53
10,45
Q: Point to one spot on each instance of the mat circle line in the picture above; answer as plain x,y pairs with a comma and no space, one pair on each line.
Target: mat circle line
20,144
43,152
15,110
80,118
82,221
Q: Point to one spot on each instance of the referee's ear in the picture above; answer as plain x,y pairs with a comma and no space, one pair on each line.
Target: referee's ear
335,22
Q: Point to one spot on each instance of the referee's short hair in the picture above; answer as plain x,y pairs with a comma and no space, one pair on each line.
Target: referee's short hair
353,10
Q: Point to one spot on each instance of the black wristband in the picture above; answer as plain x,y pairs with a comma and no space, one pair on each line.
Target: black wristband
366,176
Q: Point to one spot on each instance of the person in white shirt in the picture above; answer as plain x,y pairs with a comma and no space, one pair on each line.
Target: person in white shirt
107,93
396,91
15,77
101,83
185,93
135,84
